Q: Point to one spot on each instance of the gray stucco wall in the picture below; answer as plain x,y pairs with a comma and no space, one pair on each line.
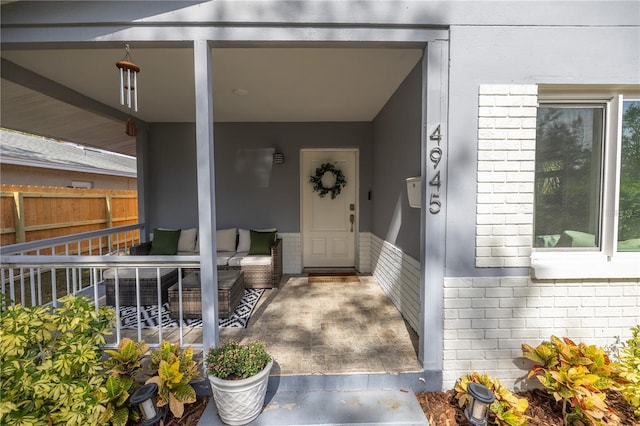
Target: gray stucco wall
516,55
240,200
396,156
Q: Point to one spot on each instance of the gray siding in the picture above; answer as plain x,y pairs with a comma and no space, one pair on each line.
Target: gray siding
396,156
241,201
516,55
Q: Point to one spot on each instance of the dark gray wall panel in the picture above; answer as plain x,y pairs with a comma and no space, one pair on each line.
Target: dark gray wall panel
240,200
243,203
397,133
172,185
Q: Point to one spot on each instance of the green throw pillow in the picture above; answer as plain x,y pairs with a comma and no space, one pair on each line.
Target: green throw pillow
261,242
165,241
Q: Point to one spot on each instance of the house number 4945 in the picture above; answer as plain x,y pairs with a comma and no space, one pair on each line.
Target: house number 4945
435,155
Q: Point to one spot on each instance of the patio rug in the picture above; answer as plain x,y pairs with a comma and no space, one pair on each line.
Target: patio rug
149,314
333,277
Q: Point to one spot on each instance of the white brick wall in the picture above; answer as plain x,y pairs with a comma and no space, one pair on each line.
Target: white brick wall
291,252
506,160
486,320
363,262
399,277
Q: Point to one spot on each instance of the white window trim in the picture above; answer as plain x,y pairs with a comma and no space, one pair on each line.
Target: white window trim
607,262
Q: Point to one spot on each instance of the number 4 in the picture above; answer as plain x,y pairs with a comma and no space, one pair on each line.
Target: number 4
436,135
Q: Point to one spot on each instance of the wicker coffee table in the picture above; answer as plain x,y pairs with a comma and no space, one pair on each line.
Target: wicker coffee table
230,292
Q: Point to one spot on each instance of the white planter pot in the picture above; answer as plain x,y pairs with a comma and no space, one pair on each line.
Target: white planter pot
240,401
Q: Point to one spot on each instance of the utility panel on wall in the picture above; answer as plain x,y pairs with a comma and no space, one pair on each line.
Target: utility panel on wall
413,191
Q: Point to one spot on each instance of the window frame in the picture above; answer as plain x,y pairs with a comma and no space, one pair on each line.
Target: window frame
604,262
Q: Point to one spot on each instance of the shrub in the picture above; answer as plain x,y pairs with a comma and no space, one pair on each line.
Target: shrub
123,366
578,375
174,369
51,362
628,356
508,408
235,361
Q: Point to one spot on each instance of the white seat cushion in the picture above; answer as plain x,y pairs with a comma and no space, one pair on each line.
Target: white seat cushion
243,259
223,257
145,273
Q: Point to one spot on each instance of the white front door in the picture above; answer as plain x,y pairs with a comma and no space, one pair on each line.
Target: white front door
329,225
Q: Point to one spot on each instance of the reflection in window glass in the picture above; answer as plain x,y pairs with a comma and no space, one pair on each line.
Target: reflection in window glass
629,207
569,143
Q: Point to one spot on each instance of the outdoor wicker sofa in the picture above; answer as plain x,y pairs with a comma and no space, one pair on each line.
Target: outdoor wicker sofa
260,270
148,285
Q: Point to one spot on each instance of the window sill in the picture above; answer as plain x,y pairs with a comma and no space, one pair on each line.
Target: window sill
563,265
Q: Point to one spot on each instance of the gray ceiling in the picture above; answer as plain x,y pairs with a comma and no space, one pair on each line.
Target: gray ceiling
278,85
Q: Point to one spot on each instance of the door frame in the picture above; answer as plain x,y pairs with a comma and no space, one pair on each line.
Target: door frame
304,180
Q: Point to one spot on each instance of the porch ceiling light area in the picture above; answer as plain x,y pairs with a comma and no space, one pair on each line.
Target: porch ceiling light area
283,84
307,84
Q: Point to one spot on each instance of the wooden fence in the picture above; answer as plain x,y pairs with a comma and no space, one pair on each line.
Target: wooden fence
31,213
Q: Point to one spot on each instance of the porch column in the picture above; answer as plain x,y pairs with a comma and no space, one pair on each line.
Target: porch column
435,80
206,192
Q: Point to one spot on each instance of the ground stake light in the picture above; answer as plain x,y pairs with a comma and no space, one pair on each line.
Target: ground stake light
144,399
481,398
128,79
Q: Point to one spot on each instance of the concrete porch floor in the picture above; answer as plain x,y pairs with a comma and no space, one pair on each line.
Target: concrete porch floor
330,328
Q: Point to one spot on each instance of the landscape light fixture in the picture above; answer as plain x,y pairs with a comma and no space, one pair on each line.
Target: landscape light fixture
128,82
478,409
278,158
144,399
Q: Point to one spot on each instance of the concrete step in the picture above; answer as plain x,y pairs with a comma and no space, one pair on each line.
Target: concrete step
322,407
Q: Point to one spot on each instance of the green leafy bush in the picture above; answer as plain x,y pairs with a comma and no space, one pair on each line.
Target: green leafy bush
508,408
50,360
235,361
175,370
578,375
123,365
628,356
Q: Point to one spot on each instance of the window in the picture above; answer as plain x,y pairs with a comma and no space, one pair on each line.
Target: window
569,143
587,185
629,207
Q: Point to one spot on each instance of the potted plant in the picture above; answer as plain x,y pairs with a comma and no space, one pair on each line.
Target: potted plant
239,374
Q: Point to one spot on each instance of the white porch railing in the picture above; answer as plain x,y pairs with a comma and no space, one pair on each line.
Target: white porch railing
82,274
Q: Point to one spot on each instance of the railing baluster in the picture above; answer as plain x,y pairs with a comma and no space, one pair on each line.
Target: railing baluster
180,312
32,281
159,290
54,288
138,311
12,290
39,282
95,289
67,271
117,292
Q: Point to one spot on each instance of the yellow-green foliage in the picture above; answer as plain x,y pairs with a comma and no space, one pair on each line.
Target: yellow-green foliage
123,365
508,408
175,370
630,370
50,362
578,375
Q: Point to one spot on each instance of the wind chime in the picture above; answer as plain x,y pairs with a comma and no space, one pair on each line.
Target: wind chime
129,85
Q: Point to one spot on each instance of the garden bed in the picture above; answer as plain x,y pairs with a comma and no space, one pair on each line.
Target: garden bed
442,410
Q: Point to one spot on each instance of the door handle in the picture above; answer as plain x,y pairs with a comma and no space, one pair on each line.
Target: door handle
352,219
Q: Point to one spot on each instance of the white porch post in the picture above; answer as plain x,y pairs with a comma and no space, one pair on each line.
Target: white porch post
433,222
206,192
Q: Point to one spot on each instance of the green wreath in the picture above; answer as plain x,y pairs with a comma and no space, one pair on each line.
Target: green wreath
322,190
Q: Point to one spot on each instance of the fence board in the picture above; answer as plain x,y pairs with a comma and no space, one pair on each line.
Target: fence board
49,212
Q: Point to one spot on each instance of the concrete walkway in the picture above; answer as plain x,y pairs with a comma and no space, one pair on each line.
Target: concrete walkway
364,407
